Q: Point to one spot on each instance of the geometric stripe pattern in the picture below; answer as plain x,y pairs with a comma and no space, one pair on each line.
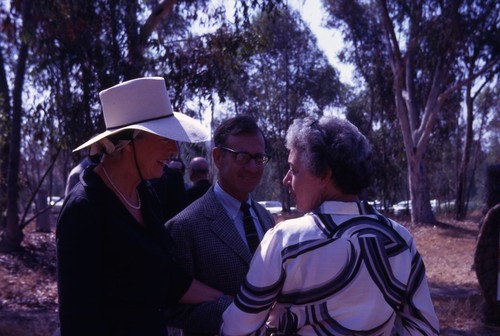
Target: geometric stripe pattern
327,274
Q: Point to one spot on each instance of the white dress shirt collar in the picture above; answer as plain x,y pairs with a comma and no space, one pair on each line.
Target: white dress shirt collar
230,204
339,208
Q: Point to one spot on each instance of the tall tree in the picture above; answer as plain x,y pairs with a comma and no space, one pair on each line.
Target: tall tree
481,41
13,233
5,115
270,68
422,41
370,106
288,77
68,51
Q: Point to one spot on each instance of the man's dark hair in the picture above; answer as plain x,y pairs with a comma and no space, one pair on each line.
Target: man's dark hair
241,124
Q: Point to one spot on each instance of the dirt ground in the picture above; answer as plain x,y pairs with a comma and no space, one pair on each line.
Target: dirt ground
448,252
28,291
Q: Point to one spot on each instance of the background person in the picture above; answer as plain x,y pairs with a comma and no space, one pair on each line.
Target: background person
170,190
210,238
116,274
198,175
341,269
76,171
74,174
176,164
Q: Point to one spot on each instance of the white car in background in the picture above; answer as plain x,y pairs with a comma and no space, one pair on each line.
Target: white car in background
402,208
376,204
55,202
274,207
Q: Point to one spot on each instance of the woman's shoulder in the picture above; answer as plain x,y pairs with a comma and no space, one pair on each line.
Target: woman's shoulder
295,222
89,193
300,227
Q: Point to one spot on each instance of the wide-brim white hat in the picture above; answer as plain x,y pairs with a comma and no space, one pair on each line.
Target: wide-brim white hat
143,104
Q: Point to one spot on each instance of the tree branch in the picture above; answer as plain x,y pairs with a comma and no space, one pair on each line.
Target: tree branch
163,10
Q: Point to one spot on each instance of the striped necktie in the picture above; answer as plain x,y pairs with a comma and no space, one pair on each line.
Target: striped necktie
250,230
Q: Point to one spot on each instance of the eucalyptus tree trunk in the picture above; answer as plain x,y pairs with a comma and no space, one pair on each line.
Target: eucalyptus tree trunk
5,112
460,202
419,191
135,58
415,129
426,43
13,232
467,170
13,235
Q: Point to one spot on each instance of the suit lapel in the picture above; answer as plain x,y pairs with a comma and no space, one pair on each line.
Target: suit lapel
223,227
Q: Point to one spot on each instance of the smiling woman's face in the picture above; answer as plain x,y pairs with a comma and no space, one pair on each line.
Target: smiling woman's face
152,152
304,186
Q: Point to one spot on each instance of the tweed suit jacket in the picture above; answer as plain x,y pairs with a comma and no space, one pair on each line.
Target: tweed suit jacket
208,245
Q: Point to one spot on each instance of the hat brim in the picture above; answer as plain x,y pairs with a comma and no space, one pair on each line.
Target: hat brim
178,127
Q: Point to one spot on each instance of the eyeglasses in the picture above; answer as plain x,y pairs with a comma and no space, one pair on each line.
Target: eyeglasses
244,157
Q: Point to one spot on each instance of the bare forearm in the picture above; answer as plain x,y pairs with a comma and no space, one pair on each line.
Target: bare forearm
198,292
201,318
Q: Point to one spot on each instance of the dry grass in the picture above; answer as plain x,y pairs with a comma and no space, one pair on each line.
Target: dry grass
448,252
28,290
28,293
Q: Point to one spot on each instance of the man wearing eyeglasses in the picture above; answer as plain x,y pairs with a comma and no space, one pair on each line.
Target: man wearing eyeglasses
217,235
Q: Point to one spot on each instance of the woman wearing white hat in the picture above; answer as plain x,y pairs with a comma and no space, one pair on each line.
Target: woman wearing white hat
115,270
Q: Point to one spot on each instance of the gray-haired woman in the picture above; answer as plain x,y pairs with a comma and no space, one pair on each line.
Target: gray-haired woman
341,269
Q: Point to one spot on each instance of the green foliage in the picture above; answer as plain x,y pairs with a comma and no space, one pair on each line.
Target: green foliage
433,49
272,70
263,61
288,78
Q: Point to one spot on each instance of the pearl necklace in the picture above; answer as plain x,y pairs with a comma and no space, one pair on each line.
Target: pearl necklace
137,207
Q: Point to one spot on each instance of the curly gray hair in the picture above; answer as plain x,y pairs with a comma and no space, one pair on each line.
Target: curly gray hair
336,144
